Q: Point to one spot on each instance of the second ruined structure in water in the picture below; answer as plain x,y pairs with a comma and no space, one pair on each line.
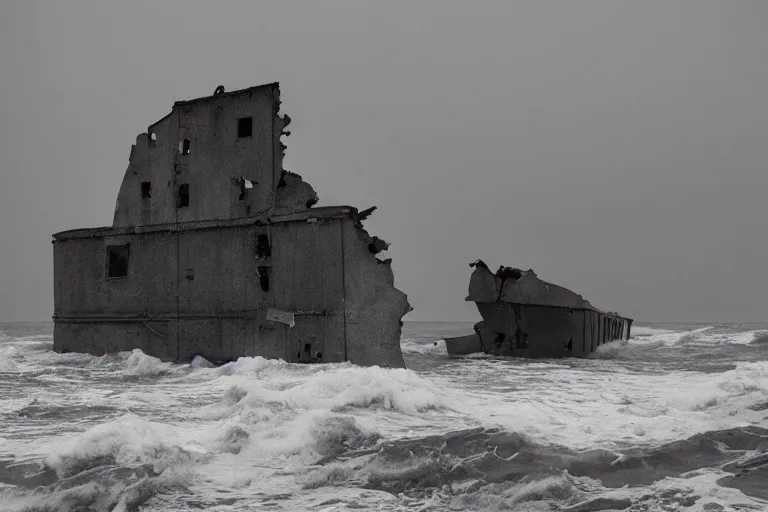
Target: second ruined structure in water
216,250
527,317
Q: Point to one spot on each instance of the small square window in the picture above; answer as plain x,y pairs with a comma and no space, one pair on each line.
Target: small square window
244,127
117,260
146,189
183,199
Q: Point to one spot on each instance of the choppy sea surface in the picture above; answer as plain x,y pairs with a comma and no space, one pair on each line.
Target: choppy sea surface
675,419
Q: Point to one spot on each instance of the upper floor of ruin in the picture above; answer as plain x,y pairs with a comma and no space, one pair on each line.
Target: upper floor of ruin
213,158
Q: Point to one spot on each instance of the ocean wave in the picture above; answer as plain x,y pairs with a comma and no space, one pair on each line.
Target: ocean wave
126,440
746,378
493,468
697,343
114,489
135,363
335,387
620,430
429,347
114,466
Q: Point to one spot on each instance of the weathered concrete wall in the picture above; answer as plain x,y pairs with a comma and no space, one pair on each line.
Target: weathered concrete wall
545,331
200,280
525,316
210,164
151,160
199,291
82,285
371,302
463,345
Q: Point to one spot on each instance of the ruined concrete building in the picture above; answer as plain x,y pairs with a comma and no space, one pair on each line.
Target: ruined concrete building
525,316
216,250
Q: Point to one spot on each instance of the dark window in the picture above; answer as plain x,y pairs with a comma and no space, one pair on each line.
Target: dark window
117,260
146,189
183,199
244,127
264,278
185,147
521,339
263,250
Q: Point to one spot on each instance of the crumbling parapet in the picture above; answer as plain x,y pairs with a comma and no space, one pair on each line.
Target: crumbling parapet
293,193
374,306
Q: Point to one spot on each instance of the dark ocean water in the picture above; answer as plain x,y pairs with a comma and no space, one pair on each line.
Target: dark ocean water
674,419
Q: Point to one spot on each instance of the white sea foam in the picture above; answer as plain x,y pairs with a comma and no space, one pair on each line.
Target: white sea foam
436,347
639,330
126,440
248,433
141,364
587,407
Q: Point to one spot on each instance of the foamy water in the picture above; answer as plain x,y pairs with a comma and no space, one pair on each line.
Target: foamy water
660,422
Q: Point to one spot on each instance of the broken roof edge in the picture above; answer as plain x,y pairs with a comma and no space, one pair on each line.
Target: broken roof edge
322,212
526,298
247,90
201,99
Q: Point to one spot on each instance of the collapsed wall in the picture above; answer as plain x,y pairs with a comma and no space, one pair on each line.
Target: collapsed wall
526,316
216,250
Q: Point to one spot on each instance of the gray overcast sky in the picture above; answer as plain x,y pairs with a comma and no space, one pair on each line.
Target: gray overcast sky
619,148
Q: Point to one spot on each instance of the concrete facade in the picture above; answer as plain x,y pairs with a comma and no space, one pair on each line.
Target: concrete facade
216,250
527,317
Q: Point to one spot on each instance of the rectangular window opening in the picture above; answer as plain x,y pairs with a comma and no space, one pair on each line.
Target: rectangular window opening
244,127
117,260
183,198
264,278
185,146
146,189
522,340
263,249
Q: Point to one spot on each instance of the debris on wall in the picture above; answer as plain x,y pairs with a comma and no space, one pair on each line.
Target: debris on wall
283,317
364,214
293,193
377,245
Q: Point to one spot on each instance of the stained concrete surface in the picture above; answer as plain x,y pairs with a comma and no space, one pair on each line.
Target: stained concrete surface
210,257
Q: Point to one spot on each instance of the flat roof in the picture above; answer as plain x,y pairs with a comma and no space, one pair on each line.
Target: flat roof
323,212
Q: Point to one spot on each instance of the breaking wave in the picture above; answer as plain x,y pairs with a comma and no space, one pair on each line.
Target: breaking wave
494,469
669,420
